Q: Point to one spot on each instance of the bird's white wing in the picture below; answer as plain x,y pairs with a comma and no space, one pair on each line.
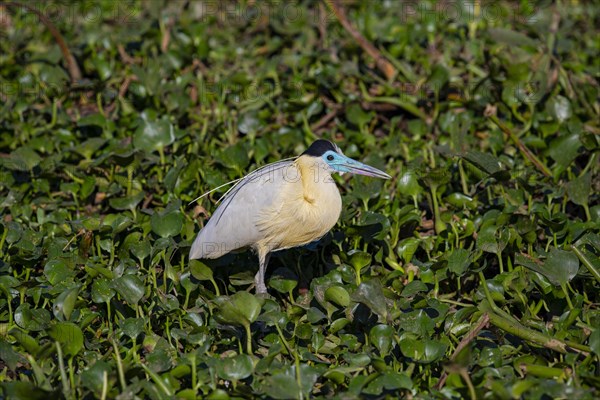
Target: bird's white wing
233,224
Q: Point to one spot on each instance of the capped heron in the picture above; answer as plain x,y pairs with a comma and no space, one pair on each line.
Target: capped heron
285,204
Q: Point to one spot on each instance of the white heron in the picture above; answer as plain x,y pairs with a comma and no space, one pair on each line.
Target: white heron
285,204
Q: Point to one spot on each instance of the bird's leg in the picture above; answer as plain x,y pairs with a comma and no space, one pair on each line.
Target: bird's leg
259,279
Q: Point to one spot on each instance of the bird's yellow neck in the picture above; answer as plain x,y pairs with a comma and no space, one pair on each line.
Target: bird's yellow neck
313,175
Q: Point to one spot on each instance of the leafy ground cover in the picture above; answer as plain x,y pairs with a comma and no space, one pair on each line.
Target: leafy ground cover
474,273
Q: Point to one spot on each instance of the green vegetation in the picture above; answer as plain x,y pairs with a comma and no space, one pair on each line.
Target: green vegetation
474,273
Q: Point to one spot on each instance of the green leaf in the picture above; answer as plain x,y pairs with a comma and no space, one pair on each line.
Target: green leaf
282,386
359,260
130,288
408,184
22,159
458,261
65,303
579,189
382,337
69,336
32,320
235,368
559,267
564,149
485,162
200,271
93,377
57,271
127,203
357,115
141,249
132,327
283,280
152,134
29,344
389,380
594,341
102,291
239,309
9,356
167,224
511,37
423,350
370,293
560,108
337,295
407,248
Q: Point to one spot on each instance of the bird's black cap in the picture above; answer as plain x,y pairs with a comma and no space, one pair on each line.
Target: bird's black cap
319,147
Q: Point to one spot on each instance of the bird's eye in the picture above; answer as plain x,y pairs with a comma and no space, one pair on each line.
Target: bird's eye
330,157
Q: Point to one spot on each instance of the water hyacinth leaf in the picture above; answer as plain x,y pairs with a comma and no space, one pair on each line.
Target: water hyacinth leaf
423,350
370,293
579,189
283,280
200,271
65,303
337,295
413,288
559,267
32,320
594,341
407,248
511,37
21,159
57,271
235,368
93,377
459,261
417,322
29,343
69,336
560,108
357,115
152,134
9,356
130,288
141,249
167,224
242,308
282,386
235,157
435,177
132,327
408,184
564,149
485,162
382,337
127,203
102,291
388,381
359,260
492,239
89,147
460,200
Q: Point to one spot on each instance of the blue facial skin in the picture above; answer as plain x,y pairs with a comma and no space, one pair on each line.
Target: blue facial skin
341,163
337,161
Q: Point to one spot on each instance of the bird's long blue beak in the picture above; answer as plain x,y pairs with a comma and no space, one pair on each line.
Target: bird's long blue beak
346,164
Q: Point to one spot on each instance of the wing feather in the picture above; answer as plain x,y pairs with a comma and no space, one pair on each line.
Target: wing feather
233,224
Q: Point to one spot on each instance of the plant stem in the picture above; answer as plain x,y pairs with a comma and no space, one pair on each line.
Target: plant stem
248,339
119,366
585,261
63,372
